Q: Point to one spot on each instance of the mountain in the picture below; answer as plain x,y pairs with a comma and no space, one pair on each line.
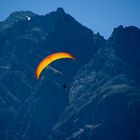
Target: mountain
30,108
102,98
105,93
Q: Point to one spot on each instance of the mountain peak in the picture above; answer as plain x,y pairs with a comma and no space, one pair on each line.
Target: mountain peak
15,17
126,42
20,15
120,30
60,10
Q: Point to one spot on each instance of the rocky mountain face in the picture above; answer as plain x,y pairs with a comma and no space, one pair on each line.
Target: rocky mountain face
102,98
30,108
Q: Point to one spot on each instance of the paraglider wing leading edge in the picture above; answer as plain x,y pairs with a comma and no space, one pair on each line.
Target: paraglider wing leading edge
49,59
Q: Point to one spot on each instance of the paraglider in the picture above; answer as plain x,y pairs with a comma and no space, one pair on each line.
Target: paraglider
65,86
58,74
49,59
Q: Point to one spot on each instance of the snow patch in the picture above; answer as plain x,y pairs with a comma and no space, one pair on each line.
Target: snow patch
28,18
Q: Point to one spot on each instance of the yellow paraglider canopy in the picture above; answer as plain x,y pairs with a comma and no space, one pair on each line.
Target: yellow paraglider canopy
49,59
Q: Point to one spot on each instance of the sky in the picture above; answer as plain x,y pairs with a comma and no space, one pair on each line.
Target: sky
98,15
